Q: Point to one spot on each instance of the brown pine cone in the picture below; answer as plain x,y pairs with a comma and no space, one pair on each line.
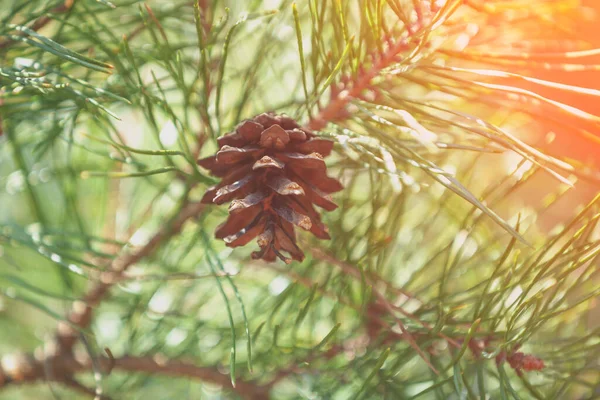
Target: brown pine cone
273,172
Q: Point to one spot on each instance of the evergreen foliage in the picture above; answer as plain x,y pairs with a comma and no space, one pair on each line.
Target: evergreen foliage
437,283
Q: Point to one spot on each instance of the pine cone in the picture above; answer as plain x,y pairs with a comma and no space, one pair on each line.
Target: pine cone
273,172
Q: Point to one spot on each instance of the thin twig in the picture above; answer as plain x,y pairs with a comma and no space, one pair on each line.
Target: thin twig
323,256
351,270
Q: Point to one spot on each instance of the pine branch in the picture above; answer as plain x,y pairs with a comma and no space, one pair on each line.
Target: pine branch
354,87
23,369
81,315
414,279
382,301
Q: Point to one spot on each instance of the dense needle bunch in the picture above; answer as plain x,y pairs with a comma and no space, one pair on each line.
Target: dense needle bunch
273,172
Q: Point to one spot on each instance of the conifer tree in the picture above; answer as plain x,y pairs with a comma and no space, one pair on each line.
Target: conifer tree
442,155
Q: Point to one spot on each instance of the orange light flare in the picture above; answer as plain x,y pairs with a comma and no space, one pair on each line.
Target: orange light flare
542,61
563,49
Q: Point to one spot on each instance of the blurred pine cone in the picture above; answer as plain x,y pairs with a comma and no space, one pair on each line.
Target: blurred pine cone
273,172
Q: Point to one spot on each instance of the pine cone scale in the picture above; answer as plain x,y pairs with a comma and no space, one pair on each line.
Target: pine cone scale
241,221
231,155
274,137
268,162
249,201
228,192
318,179
320,146
294,217
285,187
250,130
244,236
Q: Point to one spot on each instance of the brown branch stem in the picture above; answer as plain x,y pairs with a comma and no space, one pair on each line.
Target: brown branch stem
353,271
81,312
63,363
28,369
384,302
336,109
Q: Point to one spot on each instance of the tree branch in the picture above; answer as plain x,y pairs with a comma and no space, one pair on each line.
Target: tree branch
81,313
351,89
62,364
21,369
247,390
